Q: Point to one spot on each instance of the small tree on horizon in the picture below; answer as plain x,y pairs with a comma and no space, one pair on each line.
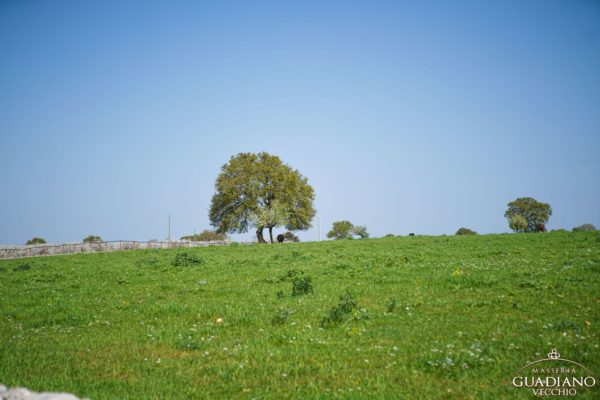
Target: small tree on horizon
465,231
206,236
346,230
584,228
92,239
35,240
535,213
340,230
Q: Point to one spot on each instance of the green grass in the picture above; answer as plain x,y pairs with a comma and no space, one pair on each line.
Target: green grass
131,325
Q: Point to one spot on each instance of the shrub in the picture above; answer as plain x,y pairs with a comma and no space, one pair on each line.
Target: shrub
92,239
340,313
584,228
301,285
186,259
280,317
391,306
291,274
22,267
206,236
389,235
465,231
289,236
36,240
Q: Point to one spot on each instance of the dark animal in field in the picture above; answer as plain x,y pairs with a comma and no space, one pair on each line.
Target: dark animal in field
540,228
411,234
280,238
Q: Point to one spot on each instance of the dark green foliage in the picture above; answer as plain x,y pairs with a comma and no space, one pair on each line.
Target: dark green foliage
280,317
280,294
584,228
22,267
186,259
291,274
301,285
389,235
290,237
206,236
35,240
147,261
340,313
391,306
92,239
564,325
465,231
535,213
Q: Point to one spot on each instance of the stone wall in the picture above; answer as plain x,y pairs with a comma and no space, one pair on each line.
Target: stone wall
116,245
25,394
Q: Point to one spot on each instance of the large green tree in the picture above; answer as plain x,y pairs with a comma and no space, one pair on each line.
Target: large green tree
259,191
535,213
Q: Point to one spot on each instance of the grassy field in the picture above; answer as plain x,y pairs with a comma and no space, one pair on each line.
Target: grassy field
423,317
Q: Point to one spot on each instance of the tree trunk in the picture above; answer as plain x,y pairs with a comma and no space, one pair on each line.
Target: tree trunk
259,235
271,233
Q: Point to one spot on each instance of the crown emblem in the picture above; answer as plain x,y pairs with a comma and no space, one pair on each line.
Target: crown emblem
554,354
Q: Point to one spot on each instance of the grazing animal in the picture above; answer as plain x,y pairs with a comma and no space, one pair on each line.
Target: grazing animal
540,228
280,238
411,234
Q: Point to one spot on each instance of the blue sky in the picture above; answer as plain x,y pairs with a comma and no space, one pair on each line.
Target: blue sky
405,116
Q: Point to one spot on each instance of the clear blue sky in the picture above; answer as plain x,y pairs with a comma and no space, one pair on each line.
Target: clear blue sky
405,116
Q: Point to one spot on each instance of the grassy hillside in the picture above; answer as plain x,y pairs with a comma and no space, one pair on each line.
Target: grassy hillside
436,317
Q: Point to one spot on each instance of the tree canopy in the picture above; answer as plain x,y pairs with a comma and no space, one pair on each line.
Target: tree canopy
518,223
92,239
346,230
584,228
340,230
35,240
465,231
360,231
535,213
259,191
205,236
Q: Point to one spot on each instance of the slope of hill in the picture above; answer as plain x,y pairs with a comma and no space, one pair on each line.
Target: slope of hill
420,317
